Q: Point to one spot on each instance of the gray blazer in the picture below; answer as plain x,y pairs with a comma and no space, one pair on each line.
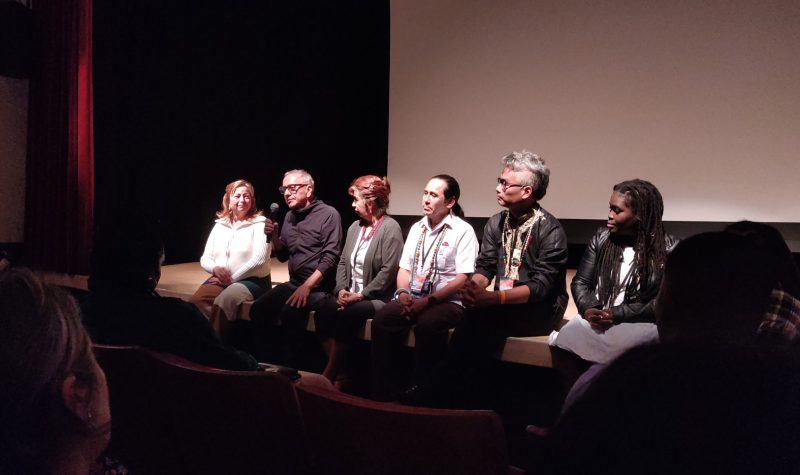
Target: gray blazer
380,263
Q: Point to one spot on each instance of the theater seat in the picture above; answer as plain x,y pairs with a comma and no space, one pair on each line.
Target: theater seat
352,435
232,421
142,437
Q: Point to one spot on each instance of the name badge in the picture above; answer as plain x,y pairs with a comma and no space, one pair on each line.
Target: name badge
516,257
505,283
420,285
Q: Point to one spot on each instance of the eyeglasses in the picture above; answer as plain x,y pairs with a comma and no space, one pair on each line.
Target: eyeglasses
504,185
291,188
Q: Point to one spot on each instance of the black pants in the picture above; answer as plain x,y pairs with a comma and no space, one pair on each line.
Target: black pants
282,328
464,380
389,332
342,325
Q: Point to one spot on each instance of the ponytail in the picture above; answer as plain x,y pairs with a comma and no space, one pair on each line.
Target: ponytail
453,190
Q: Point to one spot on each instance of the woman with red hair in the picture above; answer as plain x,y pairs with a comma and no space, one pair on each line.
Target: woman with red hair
366,274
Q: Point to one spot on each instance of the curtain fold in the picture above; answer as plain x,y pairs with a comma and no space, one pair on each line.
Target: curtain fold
59,196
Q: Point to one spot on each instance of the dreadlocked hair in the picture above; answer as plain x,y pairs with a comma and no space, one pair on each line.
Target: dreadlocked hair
650,250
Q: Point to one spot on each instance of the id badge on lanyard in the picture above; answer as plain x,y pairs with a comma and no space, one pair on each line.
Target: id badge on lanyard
421,285
504,282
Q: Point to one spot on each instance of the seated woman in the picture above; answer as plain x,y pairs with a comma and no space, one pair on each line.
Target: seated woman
366,273
237,256
616,283
54,399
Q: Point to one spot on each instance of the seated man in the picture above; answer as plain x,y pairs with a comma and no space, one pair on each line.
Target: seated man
438,257
311,240
524,249
124,309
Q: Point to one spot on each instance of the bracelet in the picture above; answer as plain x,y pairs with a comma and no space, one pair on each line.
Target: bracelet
502,297
400,291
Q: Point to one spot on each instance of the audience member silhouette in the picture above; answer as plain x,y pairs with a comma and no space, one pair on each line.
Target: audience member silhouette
781,321
123,307
54,399
715,290
676,408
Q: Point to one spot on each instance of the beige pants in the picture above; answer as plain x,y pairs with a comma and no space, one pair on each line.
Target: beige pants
220,305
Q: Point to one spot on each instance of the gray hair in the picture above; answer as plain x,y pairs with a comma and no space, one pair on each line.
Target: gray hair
302,173
530,162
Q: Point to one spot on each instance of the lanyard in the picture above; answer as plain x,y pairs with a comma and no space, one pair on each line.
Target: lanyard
511,240
361,242
433,269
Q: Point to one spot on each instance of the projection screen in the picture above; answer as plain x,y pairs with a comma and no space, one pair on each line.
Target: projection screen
700,97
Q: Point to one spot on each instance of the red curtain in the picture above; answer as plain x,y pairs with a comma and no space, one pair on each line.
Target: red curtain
60,167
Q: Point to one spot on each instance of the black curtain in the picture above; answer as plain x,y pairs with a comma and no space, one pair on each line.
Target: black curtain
192,95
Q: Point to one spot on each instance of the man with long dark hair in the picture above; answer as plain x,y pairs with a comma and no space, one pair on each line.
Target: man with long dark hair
438,257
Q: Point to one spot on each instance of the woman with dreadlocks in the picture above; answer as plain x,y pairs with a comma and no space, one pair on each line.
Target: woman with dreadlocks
617,280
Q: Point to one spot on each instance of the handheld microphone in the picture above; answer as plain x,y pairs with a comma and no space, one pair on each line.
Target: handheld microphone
273,216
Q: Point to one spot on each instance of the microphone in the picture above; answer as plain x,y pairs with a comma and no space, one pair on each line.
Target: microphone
273,216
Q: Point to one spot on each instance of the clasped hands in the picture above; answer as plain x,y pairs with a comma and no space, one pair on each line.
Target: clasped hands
600,320
221,276
474,295
346,298
411,307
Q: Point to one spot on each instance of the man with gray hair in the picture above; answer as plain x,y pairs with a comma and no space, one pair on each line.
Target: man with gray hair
524,249
311,240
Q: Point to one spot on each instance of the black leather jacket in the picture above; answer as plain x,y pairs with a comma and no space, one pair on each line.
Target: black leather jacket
584,286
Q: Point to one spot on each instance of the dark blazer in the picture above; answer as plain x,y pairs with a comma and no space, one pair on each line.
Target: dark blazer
584,285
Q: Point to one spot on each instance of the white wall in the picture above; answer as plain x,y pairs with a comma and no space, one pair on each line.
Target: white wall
702,98
13,136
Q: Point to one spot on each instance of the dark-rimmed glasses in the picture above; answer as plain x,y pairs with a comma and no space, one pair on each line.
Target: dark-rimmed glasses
291,188
504,185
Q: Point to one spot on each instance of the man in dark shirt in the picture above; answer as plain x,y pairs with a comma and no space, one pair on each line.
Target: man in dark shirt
124,309
311,240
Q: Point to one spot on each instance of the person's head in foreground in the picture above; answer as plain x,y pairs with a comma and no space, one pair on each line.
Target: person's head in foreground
54,399
686,409
715,290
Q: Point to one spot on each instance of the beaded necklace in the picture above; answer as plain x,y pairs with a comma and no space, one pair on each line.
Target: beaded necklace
514,245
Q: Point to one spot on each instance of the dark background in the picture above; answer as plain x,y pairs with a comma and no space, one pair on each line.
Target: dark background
191,95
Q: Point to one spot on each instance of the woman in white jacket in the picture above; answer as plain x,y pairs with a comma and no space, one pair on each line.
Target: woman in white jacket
236,256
